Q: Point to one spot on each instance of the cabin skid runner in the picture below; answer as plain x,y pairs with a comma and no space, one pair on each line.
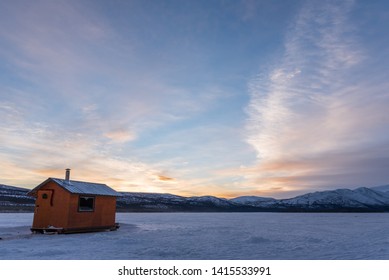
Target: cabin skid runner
54,230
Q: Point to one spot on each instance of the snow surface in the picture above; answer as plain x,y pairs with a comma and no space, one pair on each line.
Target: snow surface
208,236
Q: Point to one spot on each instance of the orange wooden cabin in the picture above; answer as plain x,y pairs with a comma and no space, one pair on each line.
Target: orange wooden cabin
66,206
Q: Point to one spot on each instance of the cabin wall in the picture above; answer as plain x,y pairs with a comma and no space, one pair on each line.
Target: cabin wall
61,210
55,214
102,216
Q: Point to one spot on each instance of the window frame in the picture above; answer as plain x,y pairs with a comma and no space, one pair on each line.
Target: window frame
86,197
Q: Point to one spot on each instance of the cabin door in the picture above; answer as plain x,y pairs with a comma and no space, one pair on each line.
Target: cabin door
43,209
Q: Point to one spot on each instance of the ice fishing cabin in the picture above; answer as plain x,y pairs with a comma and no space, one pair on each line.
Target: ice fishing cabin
67,206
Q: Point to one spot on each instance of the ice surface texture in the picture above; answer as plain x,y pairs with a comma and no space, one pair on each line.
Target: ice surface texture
178,236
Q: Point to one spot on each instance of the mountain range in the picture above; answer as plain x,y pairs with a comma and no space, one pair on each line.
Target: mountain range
374,199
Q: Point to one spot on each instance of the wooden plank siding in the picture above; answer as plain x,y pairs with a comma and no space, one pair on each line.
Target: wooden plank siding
61,210
103,214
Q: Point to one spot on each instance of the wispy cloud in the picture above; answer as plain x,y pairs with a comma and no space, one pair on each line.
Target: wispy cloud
132,95
120,135
83,94
48,150
310,124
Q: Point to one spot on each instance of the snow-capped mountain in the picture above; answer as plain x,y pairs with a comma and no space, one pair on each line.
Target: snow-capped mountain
341,199
136,201
209,200
360,199
169,202
253,200
381,188
15,199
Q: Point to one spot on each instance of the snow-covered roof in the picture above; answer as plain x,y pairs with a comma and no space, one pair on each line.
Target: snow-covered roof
78,187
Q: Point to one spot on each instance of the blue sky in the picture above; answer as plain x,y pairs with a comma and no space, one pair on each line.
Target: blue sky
227,98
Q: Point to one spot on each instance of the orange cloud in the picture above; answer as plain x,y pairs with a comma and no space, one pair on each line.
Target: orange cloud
165,178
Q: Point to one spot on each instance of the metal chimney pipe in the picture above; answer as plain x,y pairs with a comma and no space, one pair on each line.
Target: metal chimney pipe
67,178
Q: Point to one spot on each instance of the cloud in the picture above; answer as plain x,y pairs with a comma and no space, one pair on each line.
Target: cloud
120,136
165,178
87,97
88,75
37,150
32,152
310,122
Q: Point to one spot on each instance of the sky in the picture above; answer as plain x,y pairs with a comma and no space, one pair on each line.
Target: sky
224,98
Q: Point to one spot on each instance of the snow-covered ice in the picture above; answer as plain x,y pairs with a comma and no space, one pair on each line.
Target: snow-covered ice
208,236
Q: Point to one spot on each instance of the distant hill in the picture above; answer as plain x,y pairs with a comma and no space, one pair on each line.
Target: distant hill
381,188
13,199
152,202
341,200
375,199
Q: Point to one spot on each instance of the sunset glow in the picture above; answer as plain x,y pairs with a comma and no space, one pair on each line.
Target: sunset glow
226,98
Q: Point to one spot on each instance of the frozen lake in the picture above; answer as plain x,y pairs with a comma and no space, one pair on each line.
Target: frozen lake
208,236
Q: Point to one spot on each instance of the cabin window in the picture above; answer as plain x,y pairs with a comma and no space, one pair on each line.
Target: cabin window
86,204
45,196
